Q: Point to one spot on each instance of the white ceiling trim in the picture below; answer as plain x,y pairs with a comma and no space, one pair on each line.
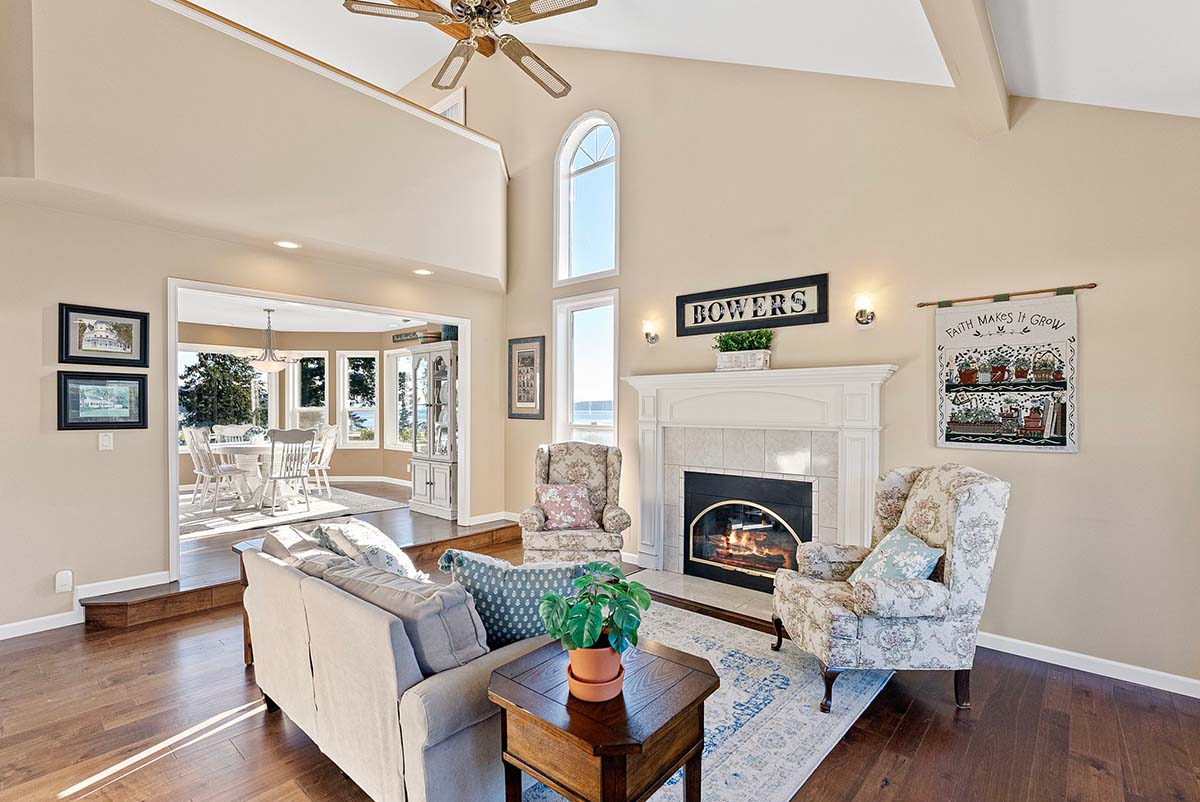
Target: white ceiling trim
243,311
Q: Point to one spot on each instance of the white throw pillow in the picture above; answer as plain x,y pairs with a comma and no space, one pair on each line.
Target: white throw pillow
283,541
367,545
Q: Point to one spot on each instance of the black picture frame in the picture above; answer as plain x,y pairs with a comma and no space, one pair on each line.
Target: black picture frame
142,337
68,405
539,346
821,315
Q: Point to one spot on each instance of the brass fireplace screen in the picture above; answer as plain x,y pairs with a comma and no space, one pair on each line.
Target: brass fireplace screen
745,536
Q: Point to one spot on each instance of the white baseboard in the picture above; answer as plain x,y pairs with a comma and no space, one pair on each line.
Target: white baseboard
387,480
492,517
75,614
1185,686
28,627
643,560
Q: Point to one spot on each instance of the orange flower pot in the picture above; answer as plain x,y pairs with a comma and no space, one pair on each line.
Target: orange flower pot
596,691
595,665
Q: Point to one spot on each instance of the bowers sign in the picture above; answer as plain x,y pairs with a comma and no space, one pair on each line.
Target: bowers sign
791,302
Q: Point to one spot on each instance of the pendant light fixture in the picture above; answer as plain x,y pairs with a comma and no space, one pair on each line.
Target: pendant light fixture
269,361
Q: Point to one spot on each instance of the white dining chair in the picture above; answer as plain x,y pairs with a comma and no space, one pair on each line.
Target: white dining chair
210,472
322,457
231,433
291,456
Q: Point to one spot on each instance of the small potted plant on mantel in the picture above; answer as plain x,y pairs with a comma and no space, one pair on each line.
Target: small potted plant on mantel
744,350
596,626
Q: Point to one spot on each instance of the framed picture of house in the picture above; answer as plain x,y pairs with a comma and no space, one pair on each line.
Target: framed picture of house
91,335
101,400
527,378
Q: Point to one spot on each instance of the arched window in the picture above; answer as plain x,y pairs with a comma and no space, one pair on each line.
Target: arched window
587,200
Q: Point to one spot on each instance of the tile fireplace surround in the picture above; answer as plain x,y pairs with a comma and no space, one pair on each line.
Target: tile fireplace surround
816,425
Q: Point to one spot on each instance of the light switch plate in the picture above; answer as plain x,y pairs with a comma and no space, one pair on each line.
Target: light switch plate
64,582
105,441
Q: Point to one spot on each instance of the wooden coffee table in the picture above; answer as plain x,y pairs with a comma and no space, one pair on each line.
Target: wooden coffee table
616,751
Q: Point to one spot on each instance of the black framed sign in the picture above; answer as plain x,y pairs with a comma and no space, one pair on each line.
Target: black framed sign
527,378
101,400
92,335
790,302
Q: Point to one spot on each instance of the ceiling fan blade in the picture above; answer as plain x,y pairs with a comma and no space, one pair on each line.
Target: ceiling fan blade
397,12
454,65
533,66
529,10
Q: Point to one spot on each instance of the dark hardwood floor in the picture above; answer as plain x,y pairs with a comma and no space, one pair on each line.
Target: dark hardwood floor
167,712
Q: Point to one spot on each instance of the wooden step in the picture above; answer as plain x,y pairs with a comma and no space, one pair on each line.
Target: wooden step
154,603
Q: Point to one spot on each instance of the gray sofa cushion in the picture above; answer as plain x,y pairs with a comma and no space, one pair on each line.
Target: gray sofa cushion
282,541
440,620
315,562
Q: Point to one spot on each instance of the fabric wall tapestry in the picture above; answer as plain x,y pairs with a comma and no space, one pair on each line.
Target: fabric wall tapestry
1006,375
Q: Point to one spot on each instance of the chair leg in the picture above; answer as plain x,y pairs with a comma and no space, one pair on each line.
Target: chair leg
270,703
778,633
307,501
830,675
216,494
962,688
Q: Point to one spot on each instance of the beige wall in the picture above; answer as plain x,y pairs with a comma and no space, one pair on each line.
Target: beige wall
203,128
732,175
104,514
380,461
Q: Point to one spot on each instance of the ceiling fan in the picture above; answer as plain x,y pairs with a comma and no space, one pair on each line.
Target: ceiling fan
473,23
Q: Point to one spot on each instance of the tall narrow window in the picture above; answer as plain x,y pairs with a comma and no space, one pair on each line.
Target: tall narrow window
398,400
358,399
585,378
587,200
307,390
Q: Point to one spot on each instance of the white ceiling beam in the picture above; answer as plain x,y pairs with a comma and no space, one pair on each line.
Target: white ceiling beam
963,31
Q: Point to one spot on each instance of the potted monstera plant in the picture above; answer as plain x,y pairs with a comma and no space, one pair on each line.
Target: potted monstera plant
596,625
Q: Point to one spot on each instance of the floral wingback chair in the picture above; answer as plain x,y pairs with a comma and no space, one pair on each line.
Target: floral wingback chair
901,623
598,468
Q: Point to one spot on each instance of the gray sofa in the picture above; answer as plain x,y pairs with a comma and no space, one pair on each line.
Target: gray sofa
345,672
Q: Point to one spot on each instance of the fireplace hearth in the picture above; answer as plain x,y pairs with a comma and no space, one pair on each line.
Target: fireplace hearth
741,529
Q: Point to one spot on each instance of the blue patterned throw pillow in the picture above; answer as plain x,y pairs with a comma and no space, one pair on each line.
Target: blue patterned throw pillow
506,595
900,555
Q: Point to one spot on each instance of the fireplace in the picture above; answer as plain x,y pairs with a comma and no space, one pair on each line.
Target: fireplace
741,529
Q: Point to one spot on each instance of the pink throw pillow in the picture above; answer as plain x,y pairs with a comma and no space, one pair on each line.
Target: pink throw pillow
566,506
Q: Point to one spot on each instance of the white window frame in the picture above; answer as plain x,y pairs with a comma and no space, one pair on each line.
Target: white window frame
272,378
292,388
343,400
564,383
457,97
580,128
391,440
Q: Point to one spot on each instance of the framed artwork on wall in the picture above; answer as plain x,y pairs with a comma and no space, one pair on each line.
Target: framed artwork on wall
527,378
101,400
92,335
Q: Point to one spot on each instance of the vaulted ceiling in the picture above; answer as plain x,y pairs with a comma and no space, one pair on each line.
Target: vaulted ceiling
1104,52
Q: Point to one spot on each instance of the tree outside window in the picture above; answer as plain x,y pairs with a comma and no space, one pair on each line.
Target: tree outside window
216,389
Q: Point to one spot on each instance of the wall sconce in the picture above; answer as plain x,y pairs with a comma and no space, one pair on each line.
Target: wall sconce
648,331
864,313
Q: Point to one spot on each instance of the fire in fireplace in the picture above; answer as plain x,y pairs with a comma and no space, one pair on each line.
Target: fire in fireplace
741,529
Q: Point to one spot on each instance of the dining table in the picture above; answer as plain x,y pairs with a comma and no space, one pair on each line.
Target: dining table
254,458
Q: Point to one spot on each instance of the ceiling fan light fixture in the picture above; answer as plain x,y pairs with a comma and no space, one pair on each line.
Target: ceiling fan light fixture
397,12
452,69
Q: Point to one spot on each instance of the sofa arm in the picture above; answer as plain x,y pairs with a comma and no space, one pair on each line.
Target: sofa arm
450,701
533,519
901,598
615,520
829,560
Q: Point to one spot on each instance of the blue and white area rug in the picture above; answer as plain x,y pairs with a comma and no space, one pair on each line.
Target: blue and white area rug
763,733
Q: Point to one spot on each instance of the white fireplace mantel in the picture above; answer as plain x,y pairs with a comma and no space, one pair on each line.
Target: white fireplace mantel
845,400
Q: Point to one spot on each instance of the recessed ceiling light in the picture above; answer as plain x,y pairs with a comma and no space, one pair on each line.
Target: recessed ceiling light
291,246
423,272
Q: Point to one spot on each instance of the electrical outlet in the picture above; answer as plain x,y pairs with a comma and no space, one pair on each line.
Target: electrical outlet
64,582
105,441
408,467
